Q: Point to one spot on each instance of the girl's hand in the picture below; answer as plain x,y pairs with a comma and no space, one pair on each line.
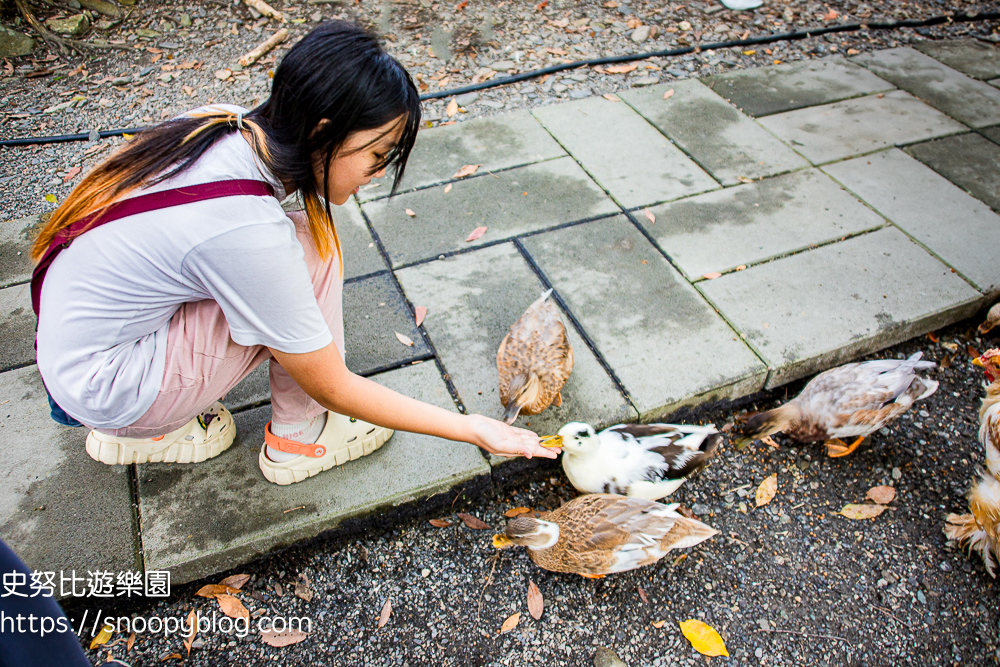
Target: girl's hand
498,438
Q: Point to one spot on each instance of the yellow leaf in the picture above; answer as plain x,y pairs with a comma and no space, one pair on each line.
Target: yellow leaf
883,495
535,601
749,53
403,339
766,490
703,638
102,637
232,607
467,170
51,198
667,95
858,512
510,623
452,108
127,137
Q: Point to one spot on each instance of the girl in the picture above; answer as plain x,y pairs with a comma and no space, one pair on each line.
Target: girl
190,275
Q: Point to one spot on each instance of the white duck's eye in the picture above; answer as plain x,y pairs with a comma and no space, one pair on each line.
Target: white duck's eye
583,433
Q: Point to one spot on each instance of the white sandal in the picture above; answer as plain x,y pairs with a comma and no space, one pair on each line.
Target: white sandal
207,435
343,439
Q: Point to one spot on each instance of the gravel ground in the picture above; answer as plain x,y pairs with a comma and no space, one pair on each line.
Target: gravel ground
787,584
179,55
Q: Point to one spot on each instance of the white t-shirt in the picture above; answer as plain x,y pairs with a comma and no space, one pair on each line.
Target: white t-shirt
108,298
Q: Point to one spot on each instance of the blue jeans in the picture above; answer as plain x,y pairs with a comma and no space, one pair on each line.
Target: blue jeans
59,415
21,619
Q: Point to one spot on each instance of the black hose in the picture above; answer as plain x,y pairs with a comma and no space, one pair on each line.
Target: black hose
628,57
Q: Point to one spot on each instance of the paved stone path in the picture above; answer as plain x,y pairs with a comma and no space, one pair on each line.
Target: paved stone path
805,214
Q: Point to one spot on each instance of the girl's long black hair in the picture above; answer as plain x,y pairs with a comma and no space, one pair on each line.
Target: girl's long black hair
338,73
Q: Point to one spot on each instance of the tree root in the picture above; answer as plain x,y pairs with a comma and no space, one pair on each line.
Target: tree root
64,44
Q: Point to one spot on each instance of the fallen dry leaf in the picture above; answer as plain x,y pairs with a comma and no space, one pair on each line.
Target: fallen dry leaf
649,216
409,212
302,590
703,638
766,490
741,267
278,590
211,590
933,336
439,523
476,233
467,170
769,441
642,595
447,188
972,351
658,624
232,607
130,643
667,95
621,69
832,14
744,179
857,512
419,313
235,581
403,339
452,108
172,656
684,510
883,495
279,639
535,602
386,612
192,621
102,637
712,276
472,522
70,174
610,97
517,511
510,623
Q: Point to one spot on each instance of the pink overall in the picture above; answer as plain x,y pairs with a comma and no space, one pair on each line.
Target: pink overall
204,363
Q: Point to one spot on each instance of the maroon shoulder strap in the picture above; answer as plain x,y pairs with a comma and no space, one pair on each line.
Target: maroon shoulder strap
141,204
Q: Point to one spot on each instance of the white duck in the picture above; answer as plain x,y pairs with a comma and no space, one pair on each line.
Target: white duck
648,461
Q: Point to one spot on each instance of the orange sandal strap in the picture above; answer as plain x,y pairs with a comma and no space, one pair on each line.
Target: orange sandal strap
290,446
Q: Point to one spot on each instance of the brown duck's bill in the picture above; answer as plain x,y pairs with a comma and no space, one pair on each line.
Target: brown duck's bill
502,541
551,441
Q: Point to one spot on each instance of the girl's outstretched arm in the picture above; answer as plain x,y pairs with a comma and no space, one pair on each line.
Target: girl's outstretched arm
323,375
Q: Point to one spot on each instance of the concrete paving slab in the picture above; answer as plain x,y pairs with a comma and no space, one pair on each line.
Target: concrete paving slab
969,56
746,224
823,307
963,98
629,157
959,229
995,83
202,518
59,509
857,126
15,249
17,327
497,142
558,191
667,345
991,133
768,90
967,160
472,299
361,256
374,310
726,143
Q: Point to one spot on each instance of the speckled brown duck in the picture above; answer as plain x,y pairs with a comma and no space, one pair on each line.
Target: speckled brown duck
599,534
850,401
534,361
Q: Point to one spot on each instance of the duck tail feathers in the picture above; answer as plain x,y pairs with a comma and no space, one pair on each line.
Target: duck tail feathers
687,533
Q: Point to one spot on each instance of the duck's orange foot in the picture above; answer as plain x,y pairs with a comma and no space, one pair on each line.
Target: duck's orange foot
836,448
593,576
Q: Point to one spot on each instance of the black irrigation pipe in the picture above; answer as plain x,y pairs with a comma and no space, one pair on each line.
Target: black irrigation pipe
628,57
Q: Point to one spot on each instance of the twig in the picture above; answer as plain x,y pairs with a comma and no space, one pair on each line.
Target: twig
265,9
300,507
263,48
889,614
740,541
457,496
496,560
804,634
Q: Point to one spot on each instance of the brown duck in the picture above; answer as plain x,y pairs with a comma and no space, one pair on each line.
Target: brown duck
599,534
534,361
